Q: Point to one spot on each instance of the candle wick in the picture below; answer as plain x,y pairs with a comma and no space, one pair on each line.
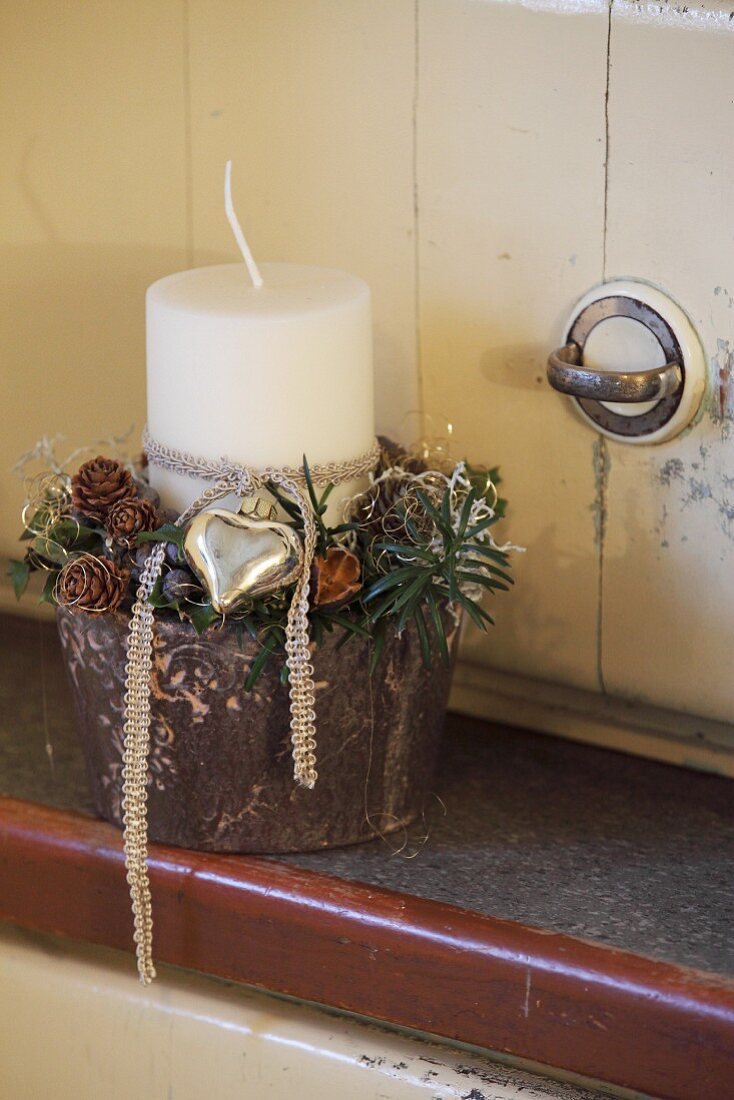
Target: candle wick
239,236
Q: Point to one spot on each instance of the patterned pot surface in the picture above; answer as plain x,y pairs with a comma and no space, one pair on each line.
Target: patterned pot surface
220,768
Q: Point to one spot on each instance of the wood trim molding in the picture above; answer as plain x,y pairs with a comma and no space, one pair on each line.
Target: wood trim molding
607,721
585,1008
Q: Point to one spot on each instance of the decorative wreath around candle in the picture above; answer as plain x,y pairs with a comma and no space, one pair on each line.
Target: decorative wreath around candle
415,547
419,536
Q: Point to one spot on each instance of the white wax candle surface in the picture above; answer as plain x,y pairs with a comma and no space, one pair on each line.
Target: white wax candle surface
262,374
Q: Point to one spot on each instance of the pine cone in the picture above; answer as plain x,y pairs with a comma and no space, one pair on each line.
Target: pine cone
99,484
335,577
91,584
126,519
393,454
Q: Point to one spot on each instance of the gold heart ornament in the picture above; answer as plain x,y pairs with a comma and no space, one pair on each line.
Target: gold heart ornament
239,555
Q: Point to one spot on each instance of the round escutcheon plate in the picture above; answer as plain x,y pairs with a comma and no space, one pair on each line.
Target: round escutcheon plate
629,326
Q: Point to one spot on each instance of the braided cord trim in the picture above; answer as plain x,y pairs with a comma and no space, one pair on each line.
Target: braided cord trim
227,477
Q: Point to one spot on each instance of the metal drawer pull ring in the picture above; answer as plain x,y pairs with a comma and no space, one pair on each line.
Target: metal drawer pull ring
567,375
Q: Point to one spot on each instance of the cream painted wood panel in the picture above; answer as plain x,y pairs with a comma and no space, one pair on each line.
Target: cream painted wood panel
313,102
668,562
76,1025
510,150
92,209
352,123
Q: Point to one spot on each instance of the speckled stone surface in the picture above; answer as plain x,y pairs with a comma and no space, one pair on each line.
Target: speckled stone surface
573,839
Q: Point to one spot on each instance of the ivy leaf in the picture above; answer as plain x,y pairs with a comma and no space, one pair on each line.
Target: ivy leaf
47,596
65,537
50,550
169,532
156,598
69,529
19,572
202,616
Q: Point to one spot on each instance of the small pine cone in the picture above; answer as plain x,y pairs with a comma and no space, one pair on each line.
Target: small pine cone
91,584
99,484
392,454
126,519
335,577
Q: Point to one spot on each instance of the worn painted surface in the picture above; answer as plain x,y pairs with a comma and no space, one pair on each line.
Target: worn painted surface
190,1036
92,209
509,237
668,596
528,992
481,165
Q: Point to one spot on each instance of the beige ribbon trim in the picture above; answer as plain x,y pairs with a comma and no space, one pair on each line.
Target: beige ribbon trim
226,477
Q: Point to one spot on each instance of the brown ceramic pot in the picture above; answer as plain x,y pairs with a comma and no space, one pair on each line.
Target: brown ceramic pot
220,775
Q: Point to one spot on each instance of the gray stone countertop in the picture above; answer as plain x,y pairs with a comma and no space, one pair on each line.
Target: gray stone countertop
529,828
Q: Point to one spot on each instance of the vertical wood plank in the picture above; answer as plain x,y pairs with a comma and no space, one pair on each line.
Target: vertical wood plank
668,598
92,210
511,183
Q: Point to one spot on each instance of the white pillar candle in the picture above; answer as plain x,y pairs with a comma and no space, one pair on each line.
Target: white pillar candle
261,367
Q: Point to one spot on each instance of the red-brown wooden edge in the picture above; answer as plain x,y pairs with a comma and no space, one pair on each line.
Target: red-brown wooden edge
658,1028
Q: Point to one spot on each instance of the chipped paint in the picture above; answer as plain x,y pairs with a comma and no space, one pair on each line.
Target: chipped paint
722,366
672,470
260,1040
672,13
600,461
696,16
516,1080
697,486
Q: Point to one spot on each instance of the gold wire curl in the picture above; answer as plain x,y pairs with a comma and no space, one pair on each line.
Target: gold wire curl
82,560
48,501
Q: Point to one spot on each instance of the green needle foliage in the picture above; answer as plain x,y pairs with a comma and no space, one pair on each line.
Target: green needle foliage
430,564
432,573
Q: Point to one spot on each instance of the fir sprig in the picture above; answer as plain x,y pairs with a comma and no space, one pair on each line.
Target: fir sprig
437,560
436,569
